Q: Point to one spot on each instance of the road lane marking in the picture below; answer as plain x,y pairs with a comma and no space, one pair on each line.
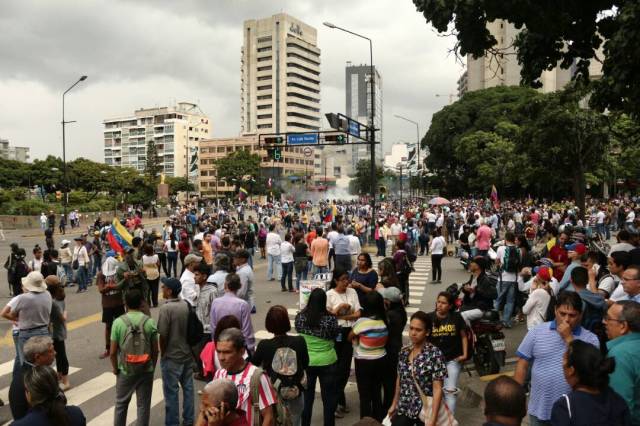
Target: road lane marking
90,389
106,417
7,340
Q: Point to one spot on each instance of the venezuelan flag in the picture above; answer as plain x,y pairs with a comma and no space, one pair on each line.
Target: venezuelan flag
328,216
118,237
243,193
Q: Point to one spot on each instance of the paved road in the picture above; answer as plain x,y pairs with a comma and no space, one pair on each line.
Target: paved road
94,384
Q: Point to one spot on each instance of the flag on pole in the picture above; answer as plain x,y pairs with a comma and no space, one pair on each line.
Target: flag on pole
328,215
243,193
118,237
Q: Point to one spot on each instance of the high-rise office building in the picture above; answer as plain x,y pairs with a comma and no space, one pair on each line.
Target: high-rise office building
280,68
175,131
503,69
358,91
18,153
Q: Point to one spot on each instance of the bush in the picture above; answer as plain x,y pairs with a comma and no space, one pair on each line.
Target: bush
28,207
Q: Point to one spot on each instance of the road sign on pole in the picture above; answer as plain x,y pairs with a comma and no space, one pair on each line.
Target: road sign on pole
302,139
308,152
354,128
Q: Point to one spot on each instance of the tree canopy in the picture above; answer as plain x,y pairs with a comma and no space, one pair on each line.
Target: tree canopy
237,165
570,33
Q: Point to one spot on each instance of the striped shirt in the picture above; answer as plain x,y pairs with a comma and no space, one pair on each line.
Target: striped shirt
372,337
242,379
544,346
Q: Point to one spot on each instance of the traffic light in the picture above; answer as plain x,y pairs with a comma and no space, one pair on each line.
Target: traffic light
383,193
273,145
337,138
336,122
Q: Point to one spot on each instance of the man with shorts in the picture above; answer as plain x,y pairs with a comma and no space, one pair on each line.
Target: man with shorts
112,301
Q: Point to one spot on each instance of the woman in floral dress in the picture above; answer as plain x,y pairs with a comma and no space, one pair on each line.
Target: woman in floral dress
419,362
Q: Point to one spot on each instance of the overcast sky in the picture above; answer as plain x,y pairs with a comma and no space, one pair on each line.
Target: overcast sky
147,53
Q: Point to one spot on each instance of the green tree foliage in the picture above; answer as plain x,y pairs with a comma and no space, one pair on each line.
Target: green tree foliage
237,165
361,183
152,167
179,184
554,32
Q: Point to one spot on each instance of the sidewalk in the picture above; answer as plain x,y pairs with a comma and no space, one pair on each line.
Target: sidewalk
36,232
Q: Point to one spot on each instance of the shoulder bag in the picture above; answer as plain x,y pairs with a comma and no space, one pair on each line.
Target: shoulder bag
445,417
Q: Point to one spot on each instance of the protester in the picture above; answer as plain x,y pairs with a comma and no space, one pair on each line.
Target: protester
319,328
59,329
437,248
133,374
342,301
623,329
505,402
80,263
449,334
175,354
284,358
591,402
231,304
151,268
111,297
188,284
47,405
230,349
218,405
419,364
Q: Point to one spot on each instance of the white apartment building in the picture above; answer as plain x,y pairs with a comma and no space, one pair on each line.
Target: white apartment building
176,132
280,83
17,153
503,69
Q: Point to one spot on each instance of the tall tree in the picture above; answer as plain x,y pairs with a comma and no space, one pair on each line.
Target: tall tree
361,183
152,166
570,33
238,165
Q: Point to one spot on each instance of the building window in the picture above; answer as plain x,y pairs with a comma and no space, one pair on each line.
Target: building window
264,49
266,68
264,58
264,126
266,87
264,77
263,39
263,116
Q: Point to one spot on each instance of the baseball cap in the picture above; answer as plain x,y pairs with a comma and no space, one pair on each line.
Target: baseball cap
172,283
544,273
577,247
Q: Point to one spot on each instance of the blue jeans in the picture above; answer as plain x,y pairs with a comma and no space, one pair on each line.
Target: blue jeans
68,272
507,294
25,335
319,270
274,267
252,251
287,275
450,386
172,262
174,373
302,275
96,266
81,277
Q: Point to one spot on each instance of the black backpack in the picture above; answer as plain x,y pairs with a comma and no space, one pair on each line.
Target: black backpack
194,327
550,314
512,259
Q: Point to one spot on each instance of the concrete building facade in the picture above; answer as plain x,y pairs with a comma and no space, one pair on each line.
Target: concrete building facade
176,132
502,69
280,83
358,106
294,163
17,153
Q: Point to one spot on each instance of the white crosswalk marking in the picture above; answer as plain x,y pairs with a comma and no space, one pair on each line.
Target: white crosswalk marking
106,417
90,389
6,368
4,393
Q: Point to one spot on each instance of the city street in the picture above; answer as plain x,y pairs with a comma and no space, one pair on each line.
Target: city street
94,384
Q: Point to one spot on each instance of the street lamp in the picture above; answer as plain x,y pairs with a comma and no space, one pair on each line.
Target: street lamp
64,148
372,137
417,144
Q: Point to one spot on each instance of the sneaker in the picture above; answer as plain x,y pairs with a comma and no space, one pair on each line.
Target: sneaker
343,409
338,414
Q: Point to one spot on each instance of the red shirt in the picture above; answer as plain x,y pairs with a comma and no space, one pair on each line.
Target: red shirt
558,254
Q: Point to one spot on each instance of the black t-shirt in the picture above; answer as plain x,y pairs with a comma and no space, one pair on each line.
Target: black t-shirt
300,249
446,334
267,348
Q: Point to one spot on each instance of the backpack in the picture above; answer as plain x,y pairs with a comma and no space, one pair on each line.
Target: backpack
287,378
406,267
194,326
511,259
591,317
135,350
281,414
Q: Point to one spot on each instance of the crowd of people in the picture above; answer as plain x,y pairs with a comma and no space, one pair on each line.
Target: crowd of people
534,263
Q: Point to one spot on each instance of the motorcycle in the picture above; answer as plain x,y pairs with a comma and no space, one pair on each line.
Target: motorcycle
487,345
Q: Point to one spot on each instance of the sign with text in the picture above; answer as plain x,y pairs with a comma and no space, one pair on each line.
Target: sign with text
302,139
354,128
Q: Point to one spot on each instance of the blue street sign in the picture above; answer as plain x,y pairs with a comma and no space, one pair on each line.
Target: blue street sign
354,129
302,139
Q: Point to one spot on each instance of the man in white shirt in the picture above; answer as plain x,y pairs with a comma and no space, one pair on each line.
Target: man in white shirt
274,264
190,290
631,216
354,247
